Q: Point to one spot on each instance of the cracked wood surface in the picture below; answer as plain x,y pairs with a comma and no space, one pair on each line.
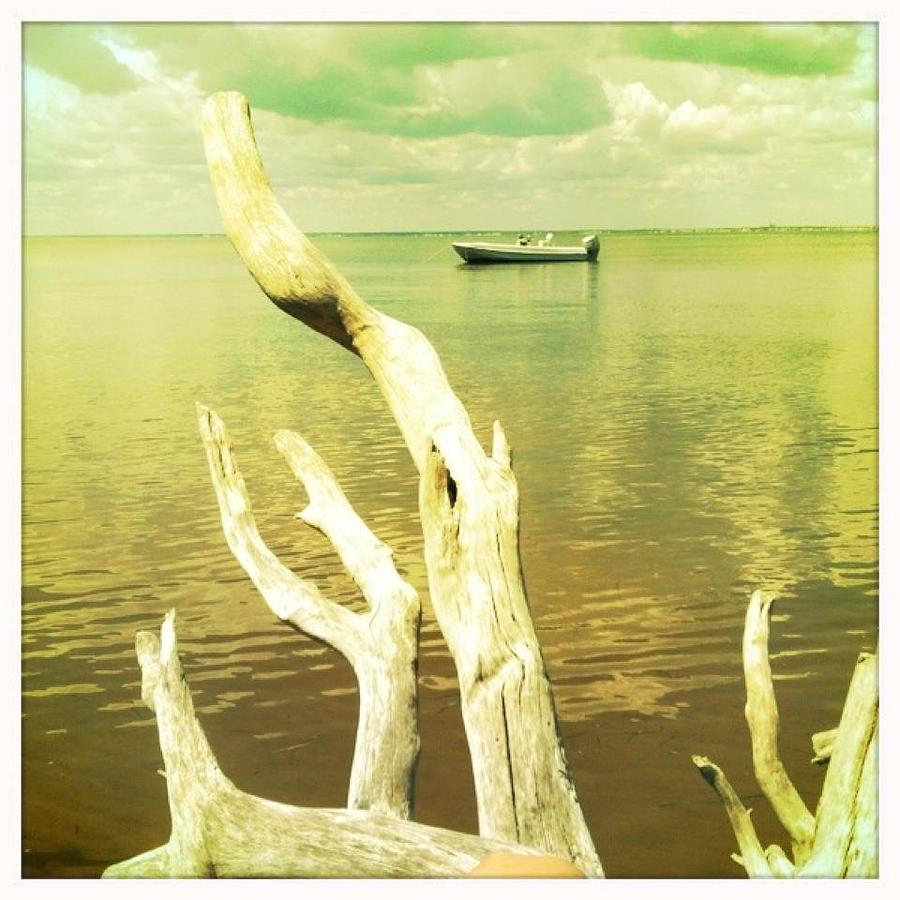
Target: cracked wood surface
846,819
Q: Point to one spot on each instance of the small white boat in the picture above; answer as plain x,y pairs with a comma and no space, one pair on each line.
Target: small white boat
543,251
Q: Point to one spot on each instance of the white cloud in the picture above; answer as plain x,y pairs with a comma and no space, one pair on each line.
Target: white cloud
141,62
636,111
651,143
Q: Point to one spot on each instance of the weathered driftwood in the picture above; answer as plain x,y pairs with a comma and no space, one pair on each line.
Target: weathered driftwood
752,856
220,831
761,712
841,840
468,505
381,644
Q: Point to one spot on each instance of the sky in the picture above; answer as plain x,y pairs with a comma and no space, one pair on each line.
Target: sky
422,127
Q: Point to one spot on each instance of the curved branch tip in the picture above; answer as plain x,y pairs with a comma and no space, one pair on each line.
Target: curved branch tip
167,643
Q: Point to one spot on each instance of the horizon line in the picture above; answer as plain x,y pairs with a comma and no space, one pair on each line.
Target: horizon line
450,231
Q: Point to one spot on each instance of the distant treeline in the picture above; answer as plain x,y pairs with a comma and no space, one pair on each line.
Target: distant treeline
747,229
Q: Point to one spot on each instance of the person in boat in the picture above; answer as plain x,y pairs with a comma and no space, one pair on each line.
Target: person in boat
523,240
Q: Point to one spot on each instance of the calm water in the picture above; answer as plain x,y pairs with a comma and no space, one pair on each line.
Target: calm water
692,418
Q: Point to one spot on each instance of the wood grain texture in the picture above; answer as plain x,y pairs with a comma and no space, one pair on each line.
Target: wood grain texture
846,811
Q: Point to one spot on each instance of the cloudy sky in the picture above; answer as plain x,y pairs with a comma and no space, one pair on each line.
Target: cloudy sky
390,126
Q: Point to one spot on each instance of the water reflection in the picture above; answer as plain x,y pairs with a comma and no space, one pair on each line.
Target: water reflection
691,417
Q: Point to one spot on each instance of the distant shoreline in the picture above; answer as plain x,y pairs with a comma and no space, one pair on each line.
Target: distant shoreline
747,229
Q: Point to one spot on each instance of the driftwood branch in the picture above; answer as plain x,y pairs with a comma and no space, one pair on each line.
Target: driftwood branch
380,644
468,505
762,719
846,819
387,736
220,831
841,840
469,517
290,598
752,856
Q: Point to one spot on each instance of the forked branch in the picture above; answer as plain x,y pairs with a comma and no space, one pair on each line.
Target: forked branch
380,644
841,840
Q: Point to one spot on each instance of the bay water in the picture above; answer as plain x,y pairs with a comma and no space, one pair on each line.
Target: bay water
692,417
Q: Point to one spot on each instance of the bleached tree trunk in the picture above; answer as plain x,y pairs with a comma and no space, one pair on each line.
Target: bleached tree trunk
468,504
219,831
841,840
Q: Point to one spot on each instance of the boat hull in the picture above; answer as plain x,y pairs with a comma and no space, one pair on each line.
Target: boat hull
479,252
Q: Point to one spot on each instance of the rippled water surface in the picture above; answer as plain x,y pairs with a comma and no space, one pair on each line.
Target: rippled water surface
691,418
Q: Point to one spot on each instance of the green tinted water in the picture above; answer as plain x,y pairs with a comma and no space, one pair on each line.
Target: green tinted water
691,418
